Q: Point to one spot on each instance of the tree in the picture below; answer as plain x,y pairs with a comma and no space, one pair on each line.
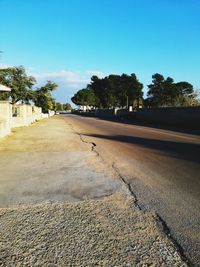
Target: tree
184,88
84,97
99,89
67,107
59,106
164,92
116,91
20,83
43,98
156,89
135,93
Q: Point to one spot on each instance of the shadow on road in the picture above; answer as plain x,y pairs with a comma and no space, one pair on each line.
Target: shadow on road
185,151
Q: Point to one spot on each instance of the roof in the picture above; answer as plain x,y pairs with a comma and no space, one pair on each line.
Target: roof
4,88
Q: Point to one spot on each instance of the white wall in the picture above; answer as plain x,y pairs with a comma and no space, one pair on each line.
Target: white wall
18,116
5,118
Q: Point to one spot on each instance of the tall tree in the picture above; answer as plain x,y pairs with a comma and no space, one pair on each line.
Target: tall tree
67,107
43,98
59,106
135,92
116,90
164,92
84,97
99,88
156,90
20,83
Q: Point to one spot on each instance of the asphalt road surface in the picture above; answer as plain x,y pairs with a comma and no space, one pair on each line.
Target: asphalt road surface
161,167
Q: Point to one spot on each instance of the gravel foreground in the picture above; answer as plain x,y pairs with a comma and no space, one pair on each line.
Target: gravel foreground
104,232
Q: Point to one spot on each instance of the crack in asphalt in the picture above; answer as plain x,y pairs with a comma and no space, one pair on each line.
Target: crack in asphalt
93,145
160,222
166,230
128,185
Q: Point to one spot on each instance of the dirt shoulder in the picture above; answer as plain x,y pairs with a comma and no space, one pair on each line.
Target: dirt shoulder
106,232
48,162
57,209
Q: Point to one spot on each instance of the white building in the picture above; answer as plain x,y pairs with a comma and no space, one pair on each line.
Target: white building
4,88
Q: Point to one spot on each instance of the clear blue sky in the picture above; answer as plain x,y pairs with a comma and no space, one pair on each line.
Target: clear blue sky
69,40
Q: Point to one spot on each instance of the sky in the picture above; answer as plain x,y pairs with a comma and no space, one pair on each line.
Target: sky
68,41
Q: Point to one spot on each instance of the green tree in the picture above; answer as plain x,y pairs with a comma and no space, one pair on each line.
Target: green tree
184,88
43,98
164,92
67,107
84,97
59,106
156,90
116,91
99,88
135,92
20,83
112,91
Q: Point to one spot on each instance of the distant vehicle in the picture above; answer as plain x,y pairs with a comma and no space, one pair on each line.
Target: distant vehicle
57,113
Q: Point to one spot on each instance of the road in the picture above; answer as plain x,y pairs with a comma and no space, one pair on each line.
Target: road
162,168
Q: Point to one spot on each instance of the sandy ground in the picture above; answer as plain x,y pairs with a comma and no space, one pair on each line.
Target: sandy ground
47,161
62,206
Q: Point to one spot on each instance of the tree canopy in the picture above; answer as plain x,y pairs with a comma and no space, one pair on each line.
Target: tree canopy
63,107
165,92
84,97
19,82
67,107
22,88
111,91
42,97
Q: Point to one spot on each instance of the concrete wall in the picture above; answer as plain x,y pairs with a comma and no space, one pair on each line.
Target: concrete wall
112,112
18,116
51,113
105,113
5,118
24,116
37,113
185,117
181,116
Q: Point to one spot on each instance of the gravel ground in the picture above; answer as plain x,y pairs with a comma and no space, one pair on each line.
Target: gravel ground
104,232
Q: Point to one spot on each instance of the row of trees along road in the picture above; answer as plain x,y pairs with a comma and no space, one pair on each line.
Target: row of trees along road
63,107
22,89
111,91
165,92
125,90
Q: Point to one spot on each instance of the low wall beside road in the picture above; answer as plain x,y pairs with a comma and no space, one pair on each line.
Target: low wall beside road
188,117
12,116
5,118
185,117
